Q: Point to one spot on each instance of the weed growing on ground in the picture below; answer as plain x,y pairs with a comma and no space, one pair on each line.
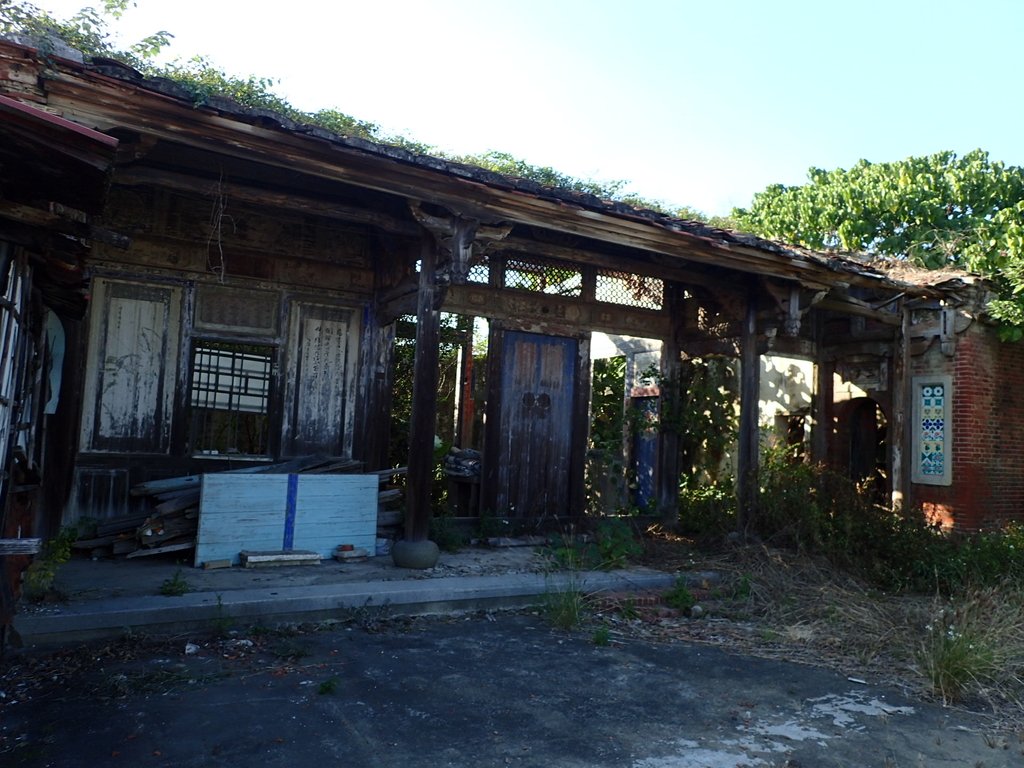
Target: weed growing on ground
616,542
628,611
328,686
445,532
613,545
220,625
40,575
601,637
680,597
175,586
289,649
566,607
974,642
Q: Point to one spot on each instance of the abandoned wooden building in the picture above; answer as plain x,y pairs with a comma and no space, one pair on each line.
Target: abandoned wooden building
195,287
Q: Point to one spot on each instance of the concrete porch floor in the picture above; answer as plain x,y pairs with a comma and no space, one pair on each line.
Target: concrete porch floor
109,598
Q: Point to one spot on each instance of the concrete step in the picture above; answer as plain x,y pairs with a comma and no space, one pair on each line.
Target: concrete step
197,611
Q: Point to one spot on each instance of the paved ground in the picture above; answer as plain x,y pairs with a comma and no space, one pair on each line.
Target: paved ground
480,690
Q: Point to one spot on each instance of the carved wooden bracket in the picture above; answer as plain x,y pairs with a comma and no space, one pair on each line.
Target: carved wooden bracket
460,240
793,305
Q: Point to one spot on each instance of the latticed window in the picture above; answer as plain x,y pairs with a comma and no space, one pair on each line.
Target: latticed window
543,277
479,273
230,395
629,290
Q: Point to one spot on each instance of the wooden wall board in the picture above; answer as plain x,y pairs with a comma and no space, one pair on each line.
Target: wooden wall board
277,512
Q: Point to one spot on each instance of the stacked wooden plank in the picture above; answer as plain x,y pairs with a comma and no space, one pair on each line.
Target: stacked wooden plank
171,523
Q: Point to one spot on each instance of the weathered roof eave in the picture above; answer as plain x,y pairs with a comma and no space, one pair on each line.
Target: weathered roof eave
160,108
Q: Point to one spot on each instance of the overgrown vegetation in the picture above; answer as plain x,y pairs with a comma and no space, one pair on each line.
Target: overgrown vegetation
88,31
566,606
175,586
39,577
840,574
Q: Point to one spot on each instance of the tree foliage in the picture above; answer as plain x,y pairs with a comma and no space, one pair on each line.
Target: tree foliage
936,210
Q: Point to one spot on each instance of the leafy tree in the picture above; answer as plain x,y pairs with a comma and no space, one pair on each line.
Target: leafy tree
86,31
937,210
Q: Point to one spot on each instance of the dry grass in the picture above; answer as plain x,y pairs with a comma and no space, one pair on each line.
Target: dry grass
780,605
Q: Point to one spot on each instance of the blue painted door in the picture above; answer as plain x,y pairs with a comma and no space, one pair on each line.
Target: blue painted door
645,451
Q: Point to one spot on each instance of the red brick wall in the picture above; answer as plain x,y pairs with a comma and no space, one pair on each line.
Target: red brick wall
988,432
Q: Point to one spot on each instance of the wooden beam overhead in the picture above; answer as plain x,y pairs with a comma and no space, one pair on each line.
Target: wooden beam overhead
290,201
107,104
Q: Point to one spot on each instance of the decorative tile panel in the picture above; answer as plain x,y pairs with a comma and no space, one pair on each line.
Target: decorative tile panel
932,434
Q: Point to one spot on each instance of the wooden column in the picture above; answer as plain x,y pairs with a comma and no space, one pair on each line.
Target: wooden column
747,461
824,395
424,396
669,403
901,439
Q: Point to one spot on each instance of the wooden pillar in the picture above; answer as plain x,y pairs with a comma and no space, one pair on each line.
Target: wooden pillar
747,461
424,396
465,403
669,403
375,395
901,440
824,396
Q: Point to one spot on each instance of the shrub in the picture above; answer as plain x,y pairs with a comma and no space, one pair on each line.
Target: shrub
616,542
707,512
680,597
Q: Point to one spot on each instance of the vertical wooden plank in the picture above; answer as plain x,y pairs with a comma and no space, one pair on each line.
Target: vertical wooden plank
580,427
494,490
669,402
747,460
901,440
424,398
373,413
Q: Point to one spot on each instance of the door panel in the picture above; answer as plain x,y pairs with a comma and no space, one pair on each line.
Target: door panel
538,382
324,344
131,368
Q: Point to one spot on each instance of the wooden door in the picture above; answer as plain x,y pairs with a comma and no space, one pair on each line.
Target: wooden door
320,410
131,367
535,462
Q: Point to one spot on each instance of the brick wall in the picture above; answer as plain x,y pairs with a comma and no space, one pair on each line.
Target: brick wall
988,432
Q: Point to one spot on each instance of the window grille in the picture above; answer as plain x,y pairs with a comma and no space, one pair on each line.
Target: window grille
543,277
479,273
629,290
230,394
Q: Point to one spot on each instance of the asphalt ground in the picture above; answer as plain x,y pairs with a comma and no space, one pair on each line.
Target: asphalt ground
486,689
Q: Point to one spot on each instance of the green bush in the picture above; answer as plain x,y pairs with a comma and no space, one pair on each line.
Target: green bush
708,512
680,597
821,512
616,542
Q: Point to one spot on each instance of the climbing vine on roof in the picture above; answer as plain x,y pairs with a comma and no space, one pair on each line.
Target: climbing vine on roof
89,31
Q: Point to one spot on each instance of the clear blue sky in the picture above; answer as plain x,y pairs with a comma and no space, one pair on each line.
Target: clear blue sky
695,103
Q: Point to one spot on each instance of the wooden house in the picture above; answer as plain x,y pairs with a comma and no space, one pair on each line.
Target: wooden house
225,285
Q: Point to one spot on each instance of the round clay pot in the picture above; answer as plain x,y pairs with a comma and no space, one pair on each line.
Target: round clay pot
415,554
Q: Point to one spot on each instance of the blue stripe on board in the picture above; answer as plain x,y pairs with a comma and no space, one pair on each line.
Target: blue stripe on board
289,514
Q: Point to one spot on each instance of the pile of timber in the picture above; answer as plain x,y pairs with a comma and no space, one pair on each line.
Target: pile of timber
171,523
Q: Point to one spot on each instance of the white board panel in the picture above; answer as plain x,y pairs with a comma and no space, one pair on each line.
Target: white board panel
253,512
